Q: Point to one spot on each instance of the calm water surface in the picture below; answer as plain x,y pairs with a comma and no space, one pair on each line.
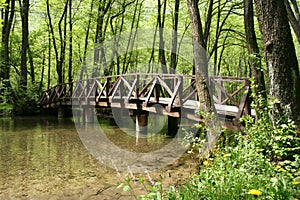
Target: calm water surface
43,158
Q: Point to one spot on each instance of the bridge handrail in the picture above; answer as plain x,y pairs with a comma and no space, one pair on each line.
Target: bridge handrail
162,85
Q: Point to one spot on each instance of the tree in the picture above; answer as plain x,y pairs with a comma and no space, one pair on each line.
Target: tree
201,71
175,35
59,55
161,26
280,57
253,49
24,5
9,14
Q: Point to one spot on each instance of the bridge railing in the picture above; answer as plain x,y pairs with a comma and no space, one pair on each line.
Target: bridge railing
58,93
169,90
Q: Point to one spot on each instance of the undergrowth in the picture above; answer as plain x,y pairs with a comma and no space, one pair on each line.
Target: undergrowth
262,162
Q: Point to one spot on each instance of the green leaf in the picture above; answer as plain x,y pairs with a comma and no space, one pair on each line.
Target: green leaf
126,188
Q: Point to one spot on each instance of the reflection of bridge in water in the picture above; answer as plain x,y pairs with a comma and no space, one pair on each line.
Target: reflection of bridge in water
140,93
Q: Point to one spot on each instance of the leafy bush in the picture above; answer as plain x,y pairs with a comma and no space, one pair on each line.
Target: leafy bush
18,100
262,162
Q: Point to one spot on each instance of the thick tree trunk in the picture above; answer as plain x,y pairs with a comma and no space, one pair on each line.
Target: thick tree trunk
253,49
280,58
200,59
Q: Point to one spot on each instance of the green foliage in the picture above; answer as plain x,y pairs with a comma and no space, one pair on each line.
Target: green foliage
283,141
262,162
240,173
5,98
26,101
18,100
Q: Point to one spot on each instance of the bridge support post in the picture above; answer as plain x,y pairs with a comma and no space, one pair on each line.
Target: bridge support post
88,115
141,122
173,127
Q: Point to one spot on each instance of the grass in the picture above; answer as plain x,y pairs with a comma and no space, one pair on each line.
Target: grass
262,162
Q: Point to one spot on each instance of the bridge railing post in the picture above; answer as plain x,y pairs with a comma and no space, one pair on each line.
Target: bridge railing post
137,83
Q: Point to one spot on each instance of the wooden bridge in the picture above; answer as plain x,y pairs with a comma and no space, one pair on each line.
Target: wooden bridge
176,94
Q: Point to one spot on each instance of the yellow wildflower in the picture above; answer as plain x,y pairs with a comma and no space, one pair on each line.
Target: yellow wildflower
295,182
205,163
227,155
295,199
289,174
281,169
254,192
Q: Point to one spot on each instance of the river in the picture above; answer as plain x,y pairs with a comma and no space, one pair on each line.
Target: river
44,158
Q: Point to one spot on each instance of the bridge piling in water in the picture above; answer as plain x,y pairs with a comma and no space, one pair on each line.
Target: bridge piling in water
141,122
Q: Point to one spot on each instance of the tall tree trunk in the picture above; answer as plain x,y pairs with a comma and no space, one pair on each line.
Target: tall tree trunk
161,22
201,71
32,71
280,58
42,73
200,59
103,9
59,72
87,32
132,35
24,15
175,36
62,30
253,49
49,60
6,30
70,79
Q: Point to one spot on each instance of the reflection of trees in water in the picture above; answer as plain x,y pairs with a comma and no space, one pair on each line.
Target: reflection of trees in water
43,155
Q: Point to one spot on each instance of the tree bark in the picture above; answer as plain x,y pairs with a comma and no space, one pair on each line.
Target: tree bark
201,70
24,15
280,57
253,49
62,30
9,14
161,23
70,79
175,36
200,59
